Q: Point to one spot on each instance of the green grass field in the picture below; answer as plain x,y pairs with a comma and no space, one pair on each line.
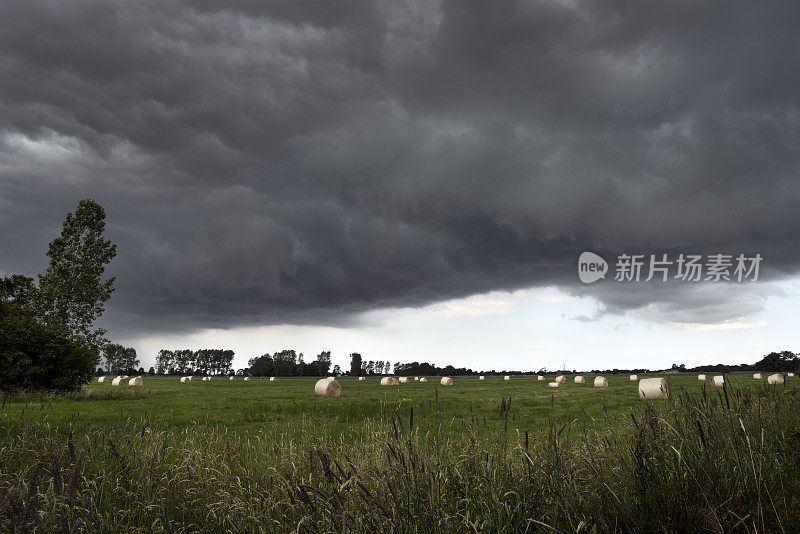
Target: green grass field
491,455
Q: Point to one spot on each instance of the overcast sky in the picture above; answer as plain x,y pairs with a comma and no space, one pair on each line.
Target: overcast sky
413,180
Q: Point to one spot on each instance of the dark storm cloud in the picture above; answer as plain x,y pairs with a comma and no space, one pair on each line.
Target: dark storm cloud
300,161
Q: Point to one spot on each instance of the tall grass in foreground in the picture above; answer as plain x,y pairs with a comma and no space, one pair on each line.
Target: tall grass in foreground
716,463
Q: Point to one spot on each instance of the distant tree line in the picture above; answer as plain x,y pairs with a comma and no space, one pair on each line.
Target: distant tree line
194,362
784,361
290,363
374,367
429,369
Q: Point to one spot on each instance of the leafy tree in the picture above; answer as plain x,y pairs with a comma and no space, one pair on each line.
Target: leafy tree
323,362
120,359
778,361
355,364
34,354
72,292
18,289
164,361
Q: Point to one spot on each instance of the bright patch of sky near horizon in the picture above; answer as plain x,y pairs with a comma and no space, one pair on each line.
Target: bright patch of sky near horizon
523,330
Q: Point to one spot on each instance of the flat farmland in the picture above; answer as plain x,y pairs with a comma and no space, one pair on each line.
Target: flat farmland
492,455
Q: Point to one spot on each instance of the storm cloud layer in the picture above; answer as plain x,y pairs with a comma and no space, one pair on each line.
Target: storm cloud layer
301,161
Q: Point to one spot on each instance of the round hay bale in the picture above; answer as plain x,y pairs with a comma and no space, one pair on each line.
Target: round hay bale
101,379
540,378
481,377
580,380
361,378
561,379
117,381
600,382
634,378
246,378
273,378
790,375
327,387
757,376
136,381
389,381
653,388
446,381
701,377
403,379
231,377
423,379
186,378
777,378
718,380
416,379
507,377
554,384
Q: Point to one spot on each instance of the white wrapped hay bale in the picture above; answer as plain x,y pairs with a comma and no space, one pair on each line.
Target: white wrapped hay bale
117,381
327,387
231,377
600,382
507,377
580,380
790,375
446,381
389,381
561,379
403,379
361,378
186,379
246,378
416,379
701,377
540,378
653,388
718,380
777,378
273,378
423,379
554,384
481,377
136,381
634,378
101,379
757,376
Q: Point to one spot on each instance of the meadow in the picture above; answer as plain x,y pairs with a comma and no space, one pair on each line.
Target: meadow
478,456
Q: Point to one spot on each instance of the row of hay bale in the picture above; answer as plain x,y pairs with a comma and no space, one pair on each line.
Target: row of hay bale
185,379
776,378
719,380
120,380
